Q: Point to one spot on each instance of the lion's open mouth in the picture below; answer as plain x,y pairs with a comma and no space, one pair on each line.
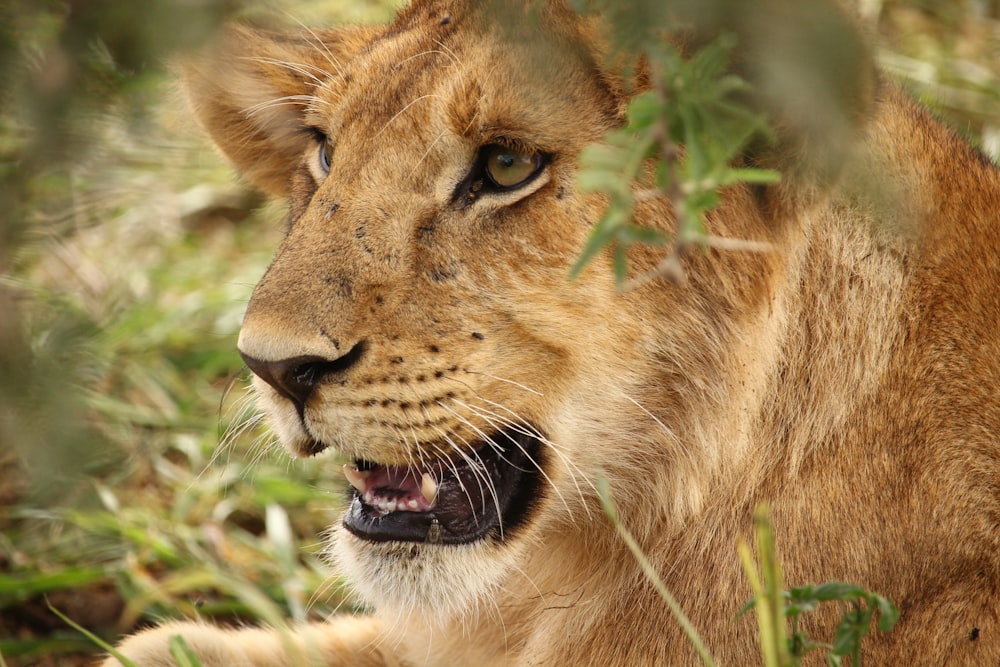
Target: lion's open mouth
488,491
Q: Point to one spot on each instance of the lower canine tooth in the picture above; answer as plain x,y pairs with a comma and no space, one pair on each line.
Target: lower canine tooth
428,488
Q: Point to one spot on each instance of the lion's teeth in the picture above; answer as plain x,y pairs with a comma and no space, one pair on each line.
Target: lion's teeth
356,478
428,488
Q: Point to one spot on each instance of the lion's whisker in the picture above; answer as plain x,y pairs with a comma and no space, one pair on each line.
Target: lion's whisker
490,442
684,451
448,51
477,468
506,380
447,459
402,111
501,423
427,152
286,101
331,58
301,68
523,427
521,448
428,52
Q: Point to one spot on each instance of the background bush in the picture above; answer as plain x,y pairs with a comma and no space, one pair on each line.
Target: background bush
135,482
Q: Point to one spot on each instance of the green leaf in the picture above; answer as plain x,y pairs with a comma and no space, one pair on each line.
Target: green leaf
594,180
643,111
888,614
853,627
629,234
752,176
21,586
602,235
798,608
49,646
835,590
747,607
620,264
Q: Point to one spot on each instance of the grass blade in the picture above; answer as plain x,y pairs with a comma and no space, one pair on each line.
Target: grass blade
92,637
604,490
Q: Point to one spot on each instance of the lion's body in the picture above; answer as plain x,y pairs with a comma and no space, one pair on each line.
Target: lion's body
849,378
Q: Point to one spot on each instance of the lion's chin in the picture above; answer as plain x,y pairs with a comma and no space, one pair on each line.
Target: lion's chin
432,583
485,493
438,536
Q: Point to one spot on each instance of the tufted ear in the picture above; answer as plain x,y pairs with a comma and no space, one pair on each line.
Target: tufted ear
250,91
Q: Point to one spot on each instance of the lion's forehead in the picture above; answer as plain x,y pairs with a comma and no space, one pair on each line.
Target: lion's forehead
416,92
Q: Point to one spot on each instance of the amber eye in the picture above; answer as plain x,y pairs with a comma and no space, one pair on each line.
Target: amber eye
508,169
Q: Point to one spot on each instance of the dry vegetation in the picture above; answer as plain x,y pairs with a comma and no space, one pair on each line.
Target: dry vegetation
135,483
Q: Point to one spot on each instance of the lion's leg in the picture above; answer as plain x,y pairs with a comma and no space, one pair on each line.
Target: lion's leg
346,640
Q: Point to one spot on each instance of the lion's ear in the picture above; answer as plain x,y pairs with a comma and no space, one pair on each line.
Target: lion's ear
250,91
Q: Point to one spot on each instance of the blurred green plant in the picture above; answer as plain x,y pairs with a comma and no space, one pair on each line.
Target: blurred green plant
775,607
691,126
127,254
686,134
97,641
182,653
697,126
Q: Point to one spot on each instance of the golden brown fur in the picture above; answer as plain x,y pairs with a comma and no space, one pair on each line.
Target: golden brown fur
850,378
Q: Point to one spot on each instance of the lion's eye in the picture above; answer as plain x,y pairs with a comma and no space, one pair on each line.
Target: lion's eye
324,154
499,169
508,169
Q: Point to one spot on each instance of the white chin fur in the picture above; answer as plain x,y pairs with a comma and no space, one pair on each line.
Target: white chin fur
441,582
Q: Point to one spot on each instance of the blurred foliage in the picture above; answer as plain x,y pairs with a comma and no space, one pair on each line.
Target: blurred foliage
784,646
127,253
949,54
692,127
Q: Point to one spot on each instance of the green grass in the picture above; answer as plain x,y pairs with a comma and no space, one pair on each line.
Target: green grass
122,499
135,483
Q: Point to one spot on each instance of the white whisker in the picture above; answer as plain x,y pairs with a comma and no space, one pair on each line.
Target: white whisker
477,467
426,153
449,52
479,470
429,52
330,57
500,379
673,436
402,111
537,466
301,68
287,101
523,427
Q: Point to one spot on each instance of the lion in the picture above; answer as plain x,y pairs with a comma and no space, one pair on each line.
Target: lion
418,319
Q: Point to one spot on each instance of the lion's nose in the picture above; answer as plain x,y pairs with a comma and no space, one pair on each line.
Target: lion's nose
295,378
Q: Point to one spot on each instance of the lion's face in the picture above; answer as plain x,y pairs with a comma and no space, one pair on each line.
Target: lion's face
419,318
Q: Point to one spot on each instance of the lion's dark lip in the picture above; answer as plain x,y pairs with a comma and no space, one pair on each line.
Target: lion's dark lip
486,494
